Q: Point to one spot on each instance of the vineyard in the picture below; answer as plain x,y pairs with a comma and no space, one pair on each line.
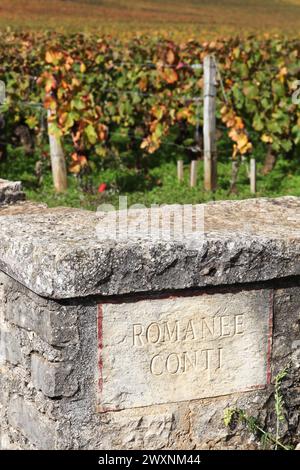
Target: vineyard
202,19
130,105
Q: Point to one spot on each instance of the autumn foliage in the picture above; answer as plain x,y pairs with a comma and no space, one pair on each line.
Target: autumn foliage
104,93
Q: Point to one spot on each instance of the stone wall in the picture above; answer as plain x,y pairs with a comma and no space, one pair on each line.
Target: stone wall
49,387
67,362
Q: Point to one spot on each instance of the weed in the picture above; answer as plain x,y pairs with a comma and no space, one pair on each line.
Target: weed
233,416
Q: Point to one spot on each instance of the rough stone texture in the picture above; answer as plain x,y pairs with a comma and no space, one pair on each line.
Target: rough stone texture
49,347
183,348
9,346
56,327
38,429
74,422
22,207
53,379
244,241
10,192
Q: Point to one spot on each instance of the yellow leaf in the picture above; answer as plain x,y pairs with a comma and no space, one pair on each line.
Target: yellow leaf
266,138
53,57
236,52
239,123
50,84
75,82
184,113
282,74
235,151
82,67
75,168
49,57
144,144
245,148
233,134
62,118
242,141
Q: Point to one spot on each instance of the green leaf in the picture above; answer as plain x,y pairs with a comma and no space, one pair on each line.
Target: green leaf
286,145
258,123
278,89
54,129
32,122
78,104
251,91
91,134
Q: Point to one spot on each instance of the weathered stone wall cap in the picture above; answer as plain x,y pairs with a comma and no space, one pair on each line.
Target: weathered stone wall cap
22,207
58,253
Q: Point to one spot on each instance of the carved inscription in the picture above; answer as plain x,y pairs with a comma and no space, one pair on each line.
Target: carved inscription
194,331
183,348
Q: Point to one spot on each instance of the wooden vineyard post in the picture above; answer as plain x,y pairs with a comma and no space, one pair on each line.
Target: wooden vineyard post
253,175
180,170
58,162
193,173
209,125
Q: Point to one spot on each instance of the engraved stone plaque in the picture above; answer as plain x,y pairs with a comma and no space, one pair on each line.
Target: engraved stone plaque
183,348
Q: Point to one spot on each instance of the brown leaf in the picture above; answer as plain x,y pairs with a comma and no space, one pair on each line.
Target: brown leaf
170,57
170,76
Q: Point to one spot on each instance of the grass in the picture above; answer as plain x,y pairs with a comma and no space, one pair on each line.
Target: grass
270,440
192,18
159,187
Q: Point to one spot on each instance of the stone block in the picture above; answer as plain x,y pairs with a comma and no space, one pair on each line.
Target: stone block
37,428
53,379
54,323
183,348
10,348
